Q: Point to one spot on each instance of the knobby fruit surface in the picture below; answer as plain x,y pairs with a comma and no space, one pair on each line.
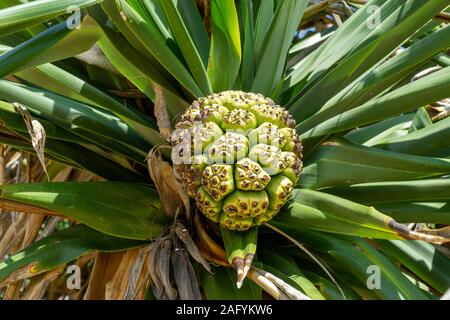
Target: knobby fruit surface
239,157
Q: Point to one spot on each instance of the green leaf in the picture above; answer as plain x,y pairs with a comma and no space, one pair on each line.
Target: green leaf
355,257
442,59
323,212
406,201
62,247
422,258
381,131
24,15
272,57
329,290
279,263
225,53
433,190
381,77
56,43
41,76
388,269
398,21
172,9
346,38
422,212
194,24
110,13
424,141
139,71
14,121
98,126
62,82
343,163
153,10
246,74
424,91
87,157
104,206
220,285
65,147
30,29
309,42
421,120
263,20
151,38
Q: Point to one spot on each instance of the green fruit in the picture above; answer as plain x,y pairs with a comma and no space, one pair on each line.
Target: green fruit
239,119
249,161
214,113
269,157
267,113
205,135
292,166
291,141
267,133
192,173
249,175
246,204
266,217
229,148
233,223
218,180
279,190
207,205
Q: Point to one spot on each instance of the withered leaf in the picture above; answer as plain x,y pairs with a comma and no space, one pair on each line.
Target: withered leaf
172,194
37,133
184,236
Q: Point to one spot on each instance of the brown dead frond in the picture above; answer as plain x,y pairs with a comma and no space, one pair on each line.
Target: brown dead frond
171,192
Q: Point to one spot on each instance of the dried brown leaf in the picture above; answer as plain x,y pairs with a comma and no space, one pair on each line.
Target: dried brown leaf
208,244
139,266
184,275
37,134
441,232
105,266
25,272
288,290
12,292
32,226
117,287
183,235
40,283
143,279
162,114
12,237
157,285
2,165
172,194
14,206
163,264
63,175
407,233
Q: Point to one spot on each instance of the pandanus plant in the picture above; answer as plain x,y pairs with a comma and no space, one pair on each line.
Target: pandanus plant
177,145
